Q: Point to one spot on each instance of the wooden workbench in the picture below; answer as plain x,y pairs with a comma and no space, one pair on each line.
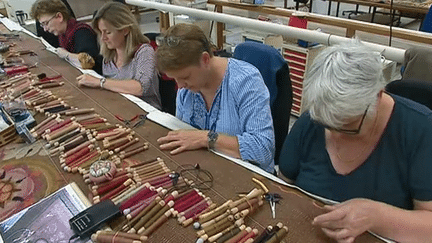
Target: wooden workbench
296,210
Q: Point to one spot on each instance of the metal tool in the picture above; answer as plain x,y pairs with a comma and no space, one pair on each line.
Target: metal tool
127,122
141,121
273,198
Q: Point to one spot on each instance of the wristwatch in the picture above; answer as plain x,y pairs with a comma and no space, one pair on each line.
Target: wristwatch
102,82
212,136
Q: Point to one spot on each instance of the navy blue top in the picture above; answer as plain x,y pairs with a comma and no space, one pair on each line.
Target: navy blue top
397,171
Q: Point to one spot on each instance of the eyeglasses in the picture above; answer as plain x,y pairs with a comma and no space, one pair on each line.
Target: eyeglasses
169,41
173,41
46,22
347,131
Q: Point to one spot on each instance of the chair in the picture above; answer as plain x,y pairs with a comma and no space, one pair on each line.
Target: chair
275,73
426,25
167,86
304,4
416,90
417,63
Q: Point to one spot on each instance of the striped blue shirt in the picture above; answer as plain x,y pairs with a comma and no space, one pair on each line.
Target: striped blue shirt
241,108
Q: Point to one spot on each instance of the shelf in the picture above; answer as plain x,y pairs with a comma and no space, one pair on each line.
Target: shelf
294,54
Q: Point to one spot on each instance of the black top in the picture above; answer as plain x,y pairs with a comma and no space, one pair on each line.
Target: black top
397,171
86,41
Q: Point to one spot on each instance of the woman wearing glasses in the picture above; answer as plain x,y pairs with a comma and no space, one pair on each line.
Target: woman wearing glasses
363,147
129,60
74,37
226,99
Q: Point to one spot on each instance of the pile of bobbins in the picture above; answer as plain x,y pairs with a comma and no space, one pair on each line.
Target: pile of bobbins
120,141
272,234
72,133
68,128
153,171
30,87
141,191
218,224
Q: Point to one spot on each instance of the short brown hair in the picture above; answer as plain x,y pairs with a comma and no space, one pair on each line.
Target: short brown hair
120,17
182,46
41,7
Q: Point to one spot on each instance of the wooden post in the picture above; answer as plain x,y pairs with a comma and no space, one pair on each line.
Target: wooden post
164,22
220,30
350,32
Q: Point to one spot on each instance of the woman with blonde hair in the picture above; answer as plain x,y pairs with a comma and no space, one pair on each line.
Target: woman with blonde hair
129,64
226,99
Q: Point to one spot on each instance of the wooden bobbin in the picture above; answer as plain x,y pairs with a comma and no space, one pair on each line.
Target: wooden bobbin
189,216
129,153
280,234
124,235
103,238
144,211
145,215
78,112
162,219
214,213
250,235
254,193
62,131
153,219
150,215
226,233
240,235
215,220
244,205
80,118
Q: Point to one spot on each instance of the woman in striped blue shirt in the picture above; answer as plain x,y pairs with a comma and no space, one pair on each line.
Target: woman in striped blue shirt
226,99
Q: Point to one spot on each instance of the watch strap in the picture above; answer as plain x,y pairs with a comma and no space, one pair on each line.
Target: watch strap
102,82
212,137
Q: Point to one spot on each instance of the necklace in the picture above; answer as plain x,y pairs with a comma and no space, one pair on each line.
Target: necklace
364,147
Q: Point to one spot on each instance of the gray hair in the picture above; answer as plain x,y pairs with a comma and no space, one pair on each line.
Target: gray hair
342,82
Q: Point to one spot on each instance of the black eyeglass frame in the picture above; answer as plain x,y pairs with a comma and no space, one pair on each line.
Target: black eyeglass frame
348,131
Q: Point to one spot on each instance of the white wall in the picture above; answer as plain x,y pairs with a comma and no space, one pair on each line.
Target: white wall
13,5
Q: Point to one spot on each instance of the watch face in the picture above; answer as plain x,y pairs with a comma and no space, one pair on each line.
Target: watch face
212,135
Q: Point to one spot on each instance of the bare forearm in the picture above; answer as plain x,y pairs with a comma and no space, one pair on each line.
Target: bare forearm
403,225
124,86
228,145
72,57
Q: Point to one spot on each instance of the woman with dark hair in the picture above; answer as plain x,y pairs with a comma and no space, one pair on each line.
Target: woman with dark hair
74,37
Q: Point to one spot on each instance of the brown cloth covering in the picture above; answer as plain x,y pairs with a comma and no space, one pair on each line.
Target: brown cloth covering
418,63
296,210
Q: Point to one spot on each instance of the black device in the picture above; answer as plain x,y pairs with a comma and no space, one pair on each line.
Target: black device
93,218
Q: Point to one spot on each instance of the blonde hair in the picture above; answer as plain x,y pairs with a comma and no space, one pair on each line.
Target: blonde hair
120,17
182,46
41,7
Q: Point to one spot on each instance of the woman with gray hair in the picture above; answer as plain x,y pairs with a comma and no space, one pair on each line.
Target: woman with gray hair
368,149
